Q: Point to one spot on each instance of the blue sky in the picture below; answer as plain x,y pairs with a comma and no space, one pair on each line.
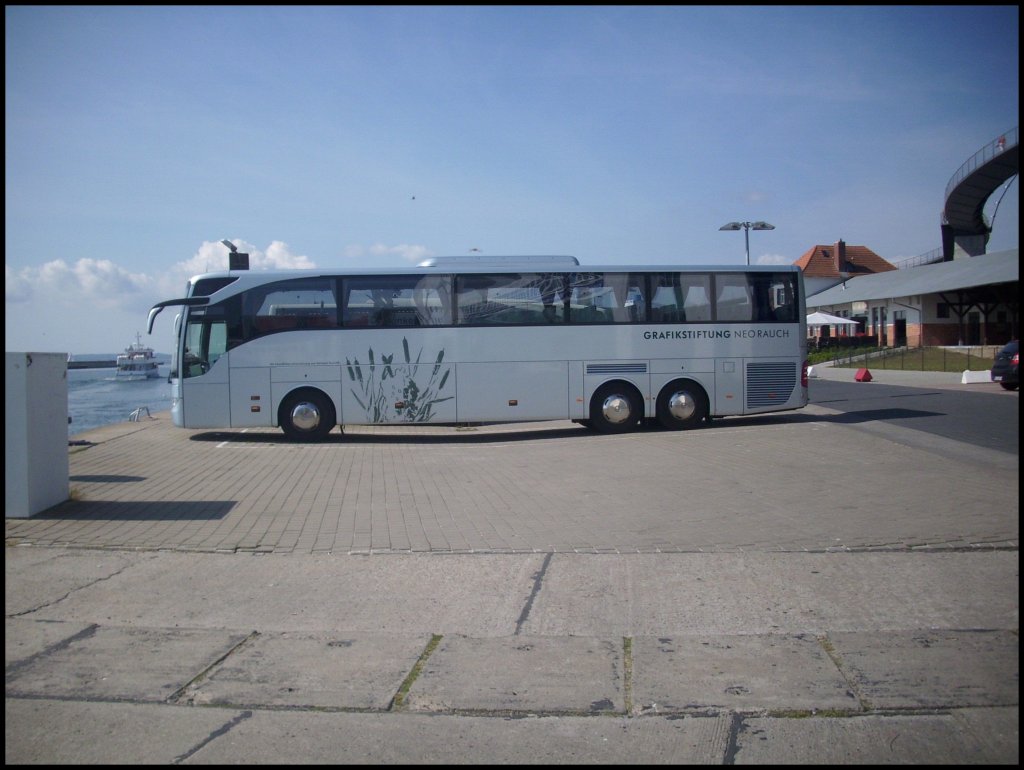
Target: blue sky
138,138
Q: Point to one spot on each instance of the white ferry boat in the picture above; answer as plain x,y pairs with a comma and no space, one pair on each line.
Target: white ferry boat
138,362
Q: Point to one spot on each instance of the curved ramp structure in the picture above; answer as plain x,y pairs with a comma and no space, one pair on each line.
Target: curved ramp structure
963,218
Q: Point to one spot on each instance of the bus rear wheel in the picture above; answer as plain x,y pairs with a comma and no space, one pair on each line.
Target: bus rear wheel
682,404
306,415
615,408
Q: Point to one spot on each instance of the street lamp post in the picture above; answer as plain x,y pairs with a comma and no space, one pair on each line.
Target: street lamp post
747,227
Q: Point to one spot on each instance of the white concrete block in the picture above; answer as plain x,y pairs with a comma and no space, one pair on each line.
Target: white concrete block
974,377
35,432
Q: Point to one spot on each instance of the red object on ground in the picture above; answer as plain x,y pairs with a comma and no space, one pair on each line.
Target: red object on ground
863,375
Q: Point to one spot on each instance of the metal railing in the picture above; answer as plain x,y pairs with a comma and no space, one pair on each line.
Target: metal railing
137,414
939,358
935,255
997,146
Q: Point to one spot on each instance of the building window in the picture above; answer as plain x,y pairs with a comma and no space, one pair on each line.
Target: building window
942,310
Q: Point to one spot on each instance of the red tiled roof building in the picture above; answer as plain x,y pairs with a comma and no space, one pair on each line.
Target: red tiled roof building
840,260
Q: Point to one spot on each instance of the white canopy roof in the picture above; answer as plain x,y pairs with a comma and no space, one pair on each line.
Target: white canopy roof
826,319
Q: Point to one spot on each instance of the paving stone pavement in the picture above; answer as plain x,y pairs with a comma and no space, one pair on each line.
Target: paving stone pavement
517,594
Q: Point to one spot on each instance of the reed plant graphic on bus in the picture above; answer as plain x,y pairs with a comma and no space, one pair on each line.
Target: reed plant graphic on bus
390,392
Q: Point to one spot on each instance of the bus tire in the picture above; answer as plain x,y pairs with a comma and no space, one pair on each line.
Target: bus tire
682,404
306,415
616,407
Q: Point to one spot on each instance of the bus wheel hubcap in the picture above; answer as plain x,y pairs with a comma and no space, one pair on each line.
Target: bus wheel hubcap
305,416
681,406
616,409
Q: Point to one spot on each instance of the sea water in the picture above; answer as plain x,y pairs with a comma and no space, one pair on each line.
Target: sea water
96,398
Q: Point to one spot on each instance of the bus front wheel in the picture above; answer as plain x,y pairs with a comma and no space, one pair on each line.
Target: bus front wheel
681,404
615,408
306,416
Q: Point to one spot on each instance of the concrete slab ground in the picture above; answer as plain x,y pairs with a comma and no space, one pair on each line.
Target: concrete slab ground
299,671
522,674
519,594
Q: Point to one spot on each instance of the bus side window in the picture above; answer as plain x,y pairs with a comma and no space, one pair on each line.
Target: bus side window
602,298
782,296
396,301
297,303
696,292
667,301
733,300
218,341
472,300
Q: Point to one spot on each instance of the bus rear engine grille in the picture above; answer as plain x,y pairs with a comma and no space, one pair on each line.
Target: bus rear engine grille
770,384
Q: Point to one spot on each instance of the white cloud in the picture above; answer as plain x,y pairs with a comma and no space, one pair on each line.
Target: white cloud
774,259
17,285
87,300
99,282
107,284
413,253
278,257
213,256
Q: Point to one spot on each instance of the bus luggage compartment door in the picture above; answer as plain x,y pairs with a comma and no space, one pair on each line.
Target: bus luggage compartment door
514,391
250,398
728,387
399,394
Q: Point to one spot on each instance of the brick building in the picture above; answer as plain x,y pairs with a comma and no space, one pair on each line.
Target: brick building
964,301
